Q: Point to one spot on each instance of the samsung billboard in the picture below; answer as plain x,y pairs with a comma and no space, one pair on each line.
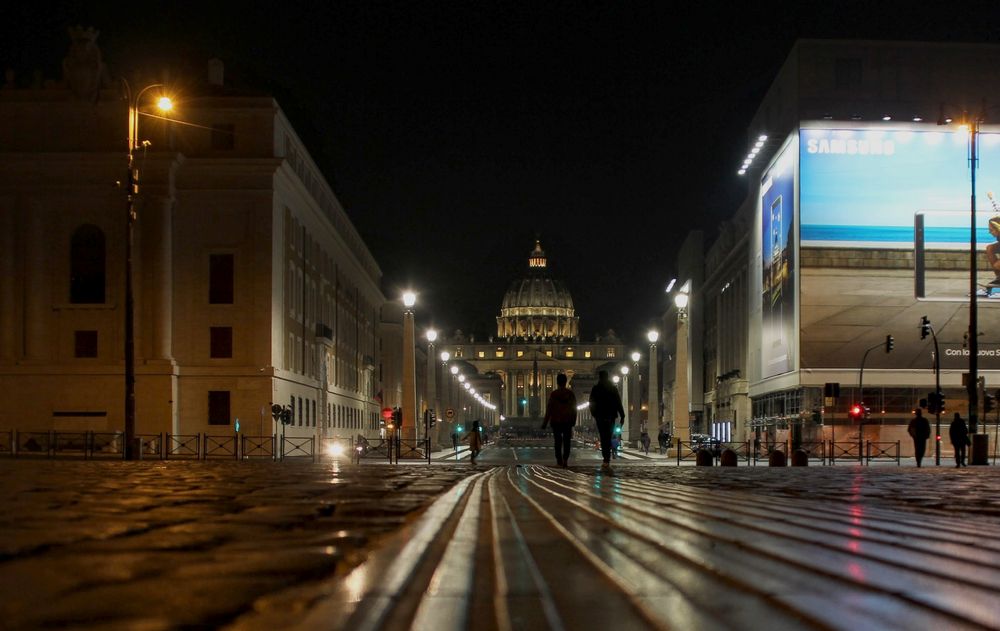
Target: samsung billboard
861,191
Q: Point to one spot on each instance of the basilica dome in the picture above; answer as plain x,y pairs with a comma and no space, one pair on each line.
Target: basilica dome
538,307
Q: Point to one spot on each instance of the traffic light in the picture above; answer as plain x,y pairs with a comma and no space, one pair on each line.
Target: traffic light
890,343
618,429
935,402
988,401
925,327
276,411
433,417
286,416
857,412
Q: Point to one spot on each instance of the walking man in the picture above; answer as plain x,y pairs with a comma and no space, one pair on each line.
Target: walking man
959,435
663,439
605,406
920,430
644,441
561,412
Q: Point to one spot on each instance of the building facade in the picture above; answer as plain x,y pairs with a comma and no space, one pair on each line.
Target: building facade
855,227
252,286
537,338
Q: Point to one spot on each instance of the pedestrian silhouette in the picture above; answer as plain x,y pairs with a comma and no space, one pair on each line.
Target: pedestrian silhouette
605,406
663,438
958,432
644,441
475,439
920,430
560,411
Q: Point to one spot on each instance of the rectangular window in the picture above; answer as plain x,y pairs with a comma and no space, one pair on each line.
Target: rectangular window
292,406
520,353
481,354
300,411
218,407
610,353
221,342
548,353
586,354
569,353
223,137
499,354
220,279
314,413
84,344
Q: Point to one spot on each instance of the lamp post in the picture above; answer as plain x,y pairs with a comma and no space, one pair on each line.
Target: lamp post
682,427
431,336
637,392
653,415
628,412
132,191
973,386
409,425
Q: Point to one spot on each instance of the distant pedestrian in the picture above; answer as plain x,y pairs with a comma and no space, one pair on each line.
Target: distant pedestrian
605,407
920,430
644,441
959,435
475,439
454,440
561,412
664,439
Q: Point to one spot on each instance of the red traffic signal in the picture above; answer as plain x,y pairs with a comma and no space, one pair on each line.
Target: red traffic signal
857,412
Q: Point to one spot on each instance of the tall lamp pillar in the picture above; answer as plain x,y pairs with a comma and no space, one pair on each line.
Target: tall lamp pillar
409,427
431,375
682,420
653,415
628,412
131,448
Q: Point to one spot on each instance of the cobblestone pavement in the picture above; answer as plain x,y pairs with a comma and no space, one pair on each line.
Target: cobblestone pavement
179,544
254,546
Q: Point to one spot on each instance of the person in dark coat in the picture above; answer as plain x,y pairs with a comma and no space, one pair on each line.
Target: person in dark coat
958,432
561,412
644,441
605,406
920,430
664,439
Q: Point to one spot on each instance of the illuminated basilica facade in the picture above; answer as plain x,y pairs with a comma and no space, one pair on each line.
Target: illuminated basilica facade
538,337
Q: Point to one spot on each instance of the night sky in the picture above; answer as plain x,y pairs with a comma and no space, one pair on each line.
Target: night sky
453,134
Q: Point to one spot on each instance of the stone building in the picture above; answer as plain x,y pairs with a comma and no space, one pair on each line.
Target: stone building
855,226
252,286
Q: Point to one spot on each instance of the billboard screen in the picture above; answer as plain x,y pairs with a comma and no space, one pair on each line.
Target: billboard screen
861,188
860,192
777,203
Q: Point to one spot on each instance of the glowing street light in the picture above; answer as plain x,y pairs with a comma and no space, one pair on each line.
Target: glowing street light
131,450
653,415
409,424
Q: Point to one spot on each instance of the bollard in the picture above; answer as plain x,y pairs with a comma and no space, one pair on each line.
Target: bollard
979,453
800,458
777,459
728,458
703,458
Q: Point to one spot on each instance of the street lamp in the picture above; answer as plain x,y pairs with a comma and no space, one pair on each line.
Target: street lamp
431,335
653,415
636,356
627,421
409,425
132,191
682,428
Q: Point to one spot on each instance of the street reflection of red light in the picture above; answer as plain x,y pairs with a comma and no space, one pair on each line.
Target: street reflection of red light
856,572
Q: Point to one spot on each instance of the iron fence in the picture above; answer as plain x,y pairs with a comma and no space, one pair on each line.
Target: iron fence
298,447
380,449
762,450
815,450
183,446
413,449
882,452
845,451
220,447
257,447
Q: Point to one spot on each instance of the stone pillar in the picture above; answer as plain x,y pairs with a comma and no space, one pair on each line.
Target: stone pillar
409,429
37,289
7,303
157,232
681,411
653,424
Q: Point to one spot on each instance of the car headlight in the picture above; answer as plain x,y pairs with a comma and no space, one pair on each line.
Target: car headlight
336,450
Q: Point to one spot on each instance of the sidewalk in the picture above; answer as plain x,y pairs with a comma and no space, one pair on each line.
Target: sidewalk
535,547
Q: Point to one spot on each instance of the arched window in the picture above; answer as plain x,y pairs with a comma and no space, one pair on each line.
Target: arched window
87,265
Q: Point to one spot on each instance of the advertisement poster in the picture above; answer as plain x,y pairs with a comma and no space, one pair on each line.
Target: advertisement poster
777,193
859,192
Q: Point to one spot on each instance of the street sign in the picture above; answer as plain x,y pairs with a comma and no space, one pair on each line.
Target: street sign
449,413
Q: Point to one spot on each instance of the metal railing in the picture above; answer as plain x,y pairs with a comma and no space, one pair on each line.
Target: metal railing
845,451
298,447
220,447
882,452
762,450
257,447
413,449
815,450
378,449
183,446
